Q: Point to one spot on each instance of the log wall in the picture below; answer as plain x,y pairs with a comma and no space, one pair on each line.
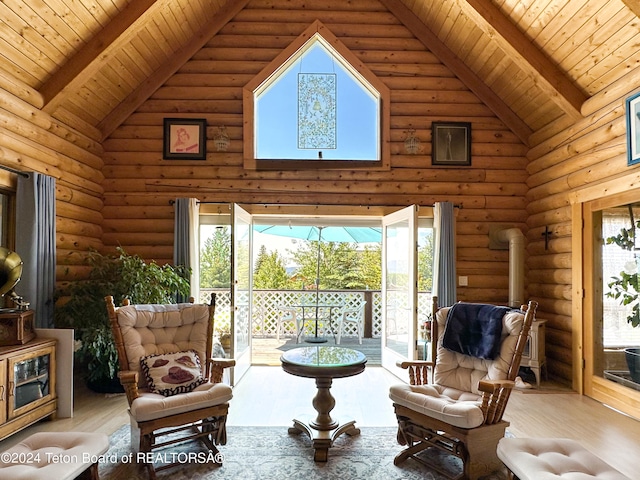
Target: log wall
563,161
119,192
32,140
139,184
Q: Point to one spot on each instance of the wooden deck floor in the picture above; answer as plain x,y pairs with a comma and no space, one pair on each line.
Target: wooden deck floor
267,351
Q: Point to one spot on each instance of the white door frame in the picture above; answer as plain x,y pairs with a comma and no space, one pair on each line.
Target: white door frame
399,262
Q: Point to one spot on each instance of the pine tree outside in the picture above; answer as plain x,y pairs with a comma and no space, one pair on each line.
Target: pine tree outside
346,269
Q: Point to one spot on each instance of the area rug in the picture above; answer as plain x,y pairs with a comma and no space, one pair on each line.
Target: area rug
271,453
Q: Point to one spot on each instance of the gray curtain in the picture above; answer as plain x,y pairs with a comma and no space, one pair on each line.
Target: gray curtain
36,244
185,244
445,254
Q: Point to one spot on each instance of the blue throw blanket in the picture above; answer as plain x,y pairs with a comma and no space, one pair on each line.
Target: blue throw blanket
474,329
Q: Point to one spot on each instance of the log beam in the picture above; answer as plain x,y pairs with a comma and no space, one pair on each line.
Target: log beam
88,60
538,66
460,69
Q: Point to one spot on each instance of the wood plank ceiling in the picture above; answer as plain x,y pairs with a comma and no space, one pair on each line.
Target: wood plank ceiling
91,63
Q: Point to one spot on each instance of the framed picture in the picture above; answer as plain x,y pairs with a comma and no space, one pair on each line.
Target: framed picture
451,143
633,129
185,139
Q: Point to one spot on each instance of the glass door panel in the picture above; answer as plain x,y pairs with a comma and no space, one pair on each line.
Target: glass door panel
241,292
611,302
620,311
399,288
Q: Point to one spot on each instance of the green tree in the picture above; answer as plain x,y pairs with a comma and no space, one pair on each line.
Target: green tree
339,265
371,267
425,264
270,271
215,260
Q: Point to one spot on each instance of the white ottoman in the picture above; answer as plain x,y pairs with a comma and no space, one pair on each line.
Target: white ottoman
54,456
553,458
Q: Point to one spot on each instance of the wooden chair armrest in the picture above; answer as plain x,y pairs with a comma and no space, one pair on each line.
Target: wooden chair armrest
495,394
217,366
419,371
491,386
414,363
222,362
129,380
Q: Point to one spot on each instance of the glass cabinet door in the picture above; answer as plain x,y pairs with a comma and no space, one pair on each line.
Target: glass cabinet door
30,380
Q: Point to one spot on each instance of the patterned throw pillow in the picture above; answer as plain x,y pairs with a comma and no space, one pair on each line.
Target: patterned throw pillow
172,373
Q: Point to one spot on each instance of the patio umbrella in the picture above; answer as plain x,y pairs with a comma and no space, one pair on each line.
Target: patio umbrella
320,234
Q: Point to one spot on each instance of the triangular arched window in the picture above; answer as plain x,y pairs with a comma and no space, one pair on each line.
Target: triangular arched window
316,106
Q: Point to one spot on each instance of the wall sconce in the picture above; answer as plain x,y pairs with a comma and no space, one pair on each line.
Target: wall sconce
412,143
221,139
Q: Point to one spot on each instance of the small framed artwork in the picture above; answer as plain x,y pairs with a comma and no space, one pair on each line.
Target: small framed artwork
185,139
451,143
633,129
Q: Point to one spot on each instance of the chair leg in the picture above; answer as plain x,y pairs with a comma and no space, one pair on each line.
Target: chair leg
299,329
339,332
90,473
146,441
418,439
477,447
482,445
211,431
409,452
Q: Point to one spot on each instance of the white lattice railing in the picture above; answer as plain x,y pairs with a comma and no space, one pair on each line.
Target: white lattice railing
266,309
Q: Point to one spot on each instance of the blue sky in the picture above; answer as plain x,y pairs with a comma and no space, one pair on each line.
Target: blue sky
277,113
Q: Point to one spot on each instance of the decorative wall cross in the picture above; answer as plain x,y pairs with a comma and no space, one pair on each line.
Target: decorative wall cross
546,234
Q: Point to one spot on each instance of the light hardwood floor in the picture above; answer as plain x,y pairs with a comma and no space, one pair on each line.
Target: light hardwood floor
267,396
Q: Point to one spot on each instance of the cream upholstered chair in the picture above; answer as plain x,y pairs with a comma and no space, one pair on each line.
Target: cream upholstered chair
456,402
354,316
171,382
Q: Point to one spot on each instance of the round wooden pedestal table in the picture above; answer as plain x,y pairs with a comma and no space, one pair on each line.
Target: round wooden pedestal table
324,363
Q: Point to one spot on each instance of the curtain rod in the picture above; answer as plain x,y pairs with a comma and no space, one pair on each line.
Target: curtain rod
13,170
172,202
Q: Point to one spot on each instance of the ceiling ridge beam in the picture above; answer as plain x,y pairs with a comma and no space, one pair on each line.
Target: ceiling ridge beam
92,56
546,74
460,69
633,6
136,98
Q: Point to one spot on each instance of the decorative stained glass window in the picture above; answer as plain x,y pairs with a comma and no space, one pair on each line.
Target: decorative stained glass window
317,106
317,111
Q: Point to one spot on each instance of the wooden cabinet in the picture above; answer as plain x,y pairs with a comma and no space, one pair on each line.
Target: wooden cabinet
16,327
27,384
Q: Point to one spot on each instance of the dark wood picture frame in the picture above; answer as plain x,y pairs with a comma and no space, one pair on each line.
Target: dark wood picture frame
185,139
451,143
632,109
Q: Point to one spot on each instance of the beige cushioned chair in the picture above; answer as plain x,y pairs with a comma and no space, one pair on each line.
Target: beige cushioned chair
201,412
456,402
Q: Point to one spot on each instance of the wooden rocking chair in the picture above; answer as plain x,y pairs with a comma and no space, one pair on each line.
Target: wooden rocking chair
455,403
188,400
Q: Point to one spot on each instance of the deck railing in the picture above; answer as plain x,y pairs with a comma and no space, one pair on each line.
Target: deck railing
266,308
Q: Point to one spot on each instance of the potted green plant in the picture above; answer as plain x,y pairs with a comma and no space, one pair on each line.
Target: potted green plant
82,307
224,335
626,289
